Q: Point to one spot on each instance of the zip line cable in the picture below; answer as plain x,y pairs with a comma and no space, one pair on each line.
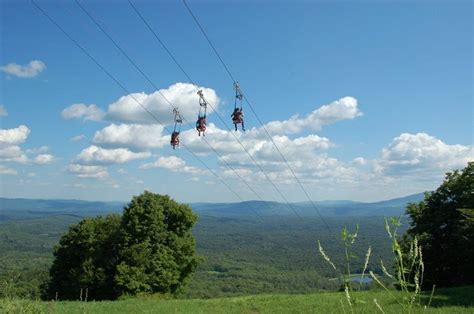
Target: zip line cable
127,92
218,115
253,111
209,41
147,78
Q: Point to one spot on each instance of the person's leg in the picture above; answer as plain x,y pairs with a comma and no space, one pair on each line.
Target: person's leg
243,126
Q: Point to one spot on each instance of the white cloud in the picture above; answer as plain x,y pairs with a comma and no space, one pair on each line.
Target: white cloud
82,111
422,153
342,109
7,171
43,159
14,136
83,171
260,148
94,154
183,95
300,150
308,155
77,138
133,136
13,153
173,163
32,69
9,141
3,111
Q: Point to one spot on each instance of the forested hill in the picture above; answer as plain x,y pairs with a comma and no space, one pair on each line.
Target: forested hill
22,208
19,208
393,207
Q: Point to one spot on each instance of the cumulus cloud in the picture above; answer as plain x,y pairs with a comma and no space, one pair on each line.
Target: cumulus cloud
14,136
182,95
86,171
13,154
307,155
29,70
173,163
3,111
7,171
84,112
135,136
422,153
260,148
10,151
44,159
342,109
98,155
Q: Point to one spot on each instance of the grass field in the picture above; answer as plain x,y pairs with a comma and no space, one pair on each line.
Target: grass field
454,300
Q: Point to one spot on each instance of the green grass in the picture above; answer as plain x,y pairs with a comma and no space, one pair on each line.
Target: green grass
454,300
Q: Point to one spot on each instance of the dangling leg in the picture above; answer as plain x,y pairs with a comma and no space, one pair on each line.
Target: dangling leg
243,126
235,125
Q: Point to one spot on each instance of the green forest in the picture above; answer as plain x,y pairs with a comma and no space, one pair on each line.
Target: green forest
239,256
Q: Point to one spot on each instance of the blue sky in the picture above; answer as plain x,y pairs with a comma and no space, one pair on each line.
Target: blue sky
384,94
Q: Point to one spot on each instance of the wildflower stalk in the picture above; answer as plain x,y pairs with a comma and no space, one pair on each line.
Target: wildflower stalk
325,256
367,257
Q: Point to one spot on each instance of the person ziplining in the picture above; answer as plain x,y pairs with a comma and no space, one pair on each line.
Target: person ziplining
238,114
178,120
201,121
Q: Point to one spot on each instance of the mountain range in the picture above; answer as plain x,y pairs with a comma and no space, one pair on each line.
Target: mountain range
21,208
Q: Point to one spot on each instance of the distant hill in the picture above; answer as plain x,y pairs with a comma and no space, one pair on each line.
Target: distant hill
21,208
392,207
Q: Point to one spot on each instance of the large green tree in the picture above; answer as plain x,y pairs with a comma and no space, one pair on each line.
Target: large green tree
149,249
157,247
85,259
443,223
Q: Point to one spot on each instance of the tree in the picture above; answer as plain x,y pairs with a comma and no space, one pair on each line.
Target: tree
443,223
157,250
149,249
85,259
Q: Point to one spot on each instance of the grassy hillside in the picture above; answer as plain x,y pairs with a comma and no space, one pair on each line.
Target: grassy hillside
455,300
